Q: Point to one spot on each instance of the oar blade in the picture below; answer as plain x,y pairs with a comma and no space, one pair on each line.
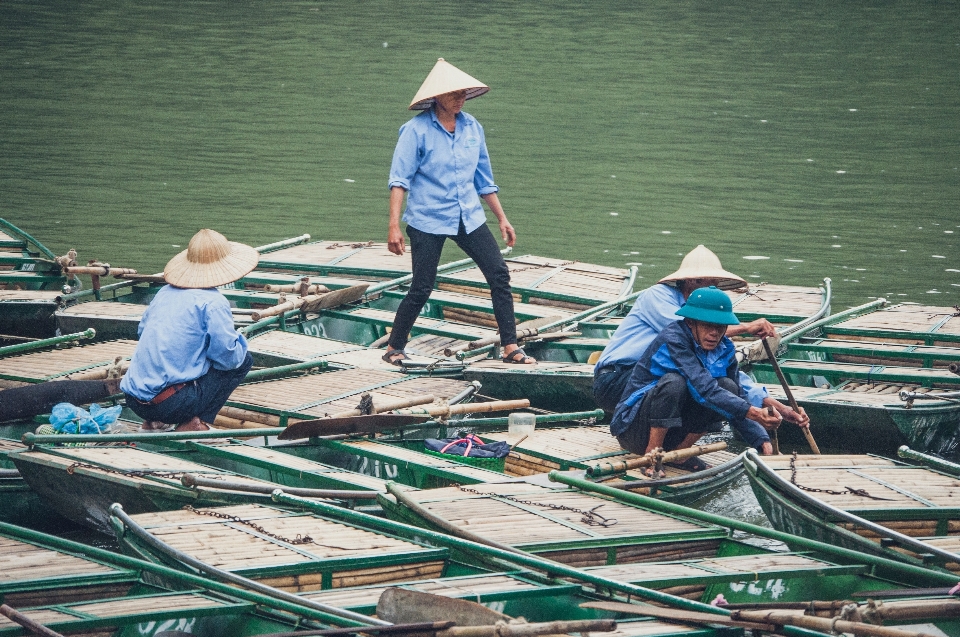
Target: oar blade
349,425
339,297
403,606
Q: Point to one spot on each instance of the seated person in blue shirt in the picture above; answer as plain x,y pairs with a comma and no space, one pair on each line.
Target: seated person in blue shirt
190,358
687,382
656,308
442,167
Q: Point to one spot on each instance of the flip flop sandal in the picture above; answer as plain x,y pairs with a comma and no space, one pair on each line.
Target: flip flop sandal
512,357
693,464
395,357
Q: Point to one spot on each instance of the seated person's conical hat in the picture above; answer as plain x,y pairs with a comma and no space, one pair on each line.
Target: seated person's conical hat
701,263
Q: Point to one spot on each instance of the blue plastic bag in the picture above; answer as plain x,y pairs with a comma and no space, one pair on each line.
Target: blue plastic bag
70,419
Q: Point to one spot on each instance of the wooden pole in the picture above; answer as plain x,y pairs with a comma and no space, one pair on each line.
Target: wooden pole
17,617
790,399
402,403
677,455
443,411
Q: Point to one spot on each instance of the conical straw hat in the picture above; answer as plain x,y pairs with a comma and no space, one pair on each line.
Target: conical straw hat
701,263
210,260
446,78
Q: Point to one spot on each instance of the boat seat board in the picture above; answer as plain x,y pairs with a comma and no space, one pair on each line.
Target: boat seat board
40,366
921,323
288,463
319,394
449,469
748,567
156,606
263,539
900,486
106,309
855,393
529,519
866,349
22,563
875,373
780,303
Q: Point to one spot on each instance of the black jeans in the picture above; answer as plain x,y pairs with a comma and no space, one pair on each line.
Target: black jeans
203,397
425,249
670,405
608,386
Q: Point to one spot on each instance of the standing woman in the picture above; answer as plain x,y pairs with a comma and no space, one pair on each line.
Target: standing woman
442,166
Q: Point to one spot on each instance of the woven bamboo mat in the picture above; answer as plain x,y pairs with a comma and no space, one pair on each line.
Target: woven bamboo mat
900,486
518,524
38,366
302,393
469,587
106,309
22,562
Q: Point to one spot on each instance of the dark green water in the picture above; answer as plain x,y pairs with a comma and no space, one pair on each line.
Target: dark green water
822,135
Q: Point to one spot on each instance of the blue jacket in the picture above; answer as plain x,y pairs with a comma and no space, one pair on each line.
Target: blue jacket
675,350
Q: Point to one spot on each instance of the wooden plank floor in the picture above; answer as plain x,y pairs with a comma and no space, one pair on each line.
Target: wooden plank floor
765,299
106,309
905,317
301,347
38,366
28,295
299,394
354,254
869,394
22,563
469,587
399,455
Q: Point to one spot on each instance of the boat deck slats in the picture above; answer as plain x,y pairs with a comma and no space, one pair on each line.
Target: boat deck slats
750,567
470,587
837,348
321,394
38,366
399,455
786,301
856,393
423,323
522,514
343,255
22,562
652,628
157,605
874,373
301,347
900,486
291,463
906,321
483,304
106,309
28,295
435,345
257,538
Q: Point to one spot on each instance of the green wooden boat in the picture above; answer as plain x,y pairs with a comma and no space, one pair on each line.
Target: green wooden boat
24,366
76,589
866,503
19,504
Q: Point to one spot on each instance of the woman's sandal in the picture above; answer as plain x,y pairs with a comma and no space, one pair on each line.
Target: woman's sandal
518,357
395,357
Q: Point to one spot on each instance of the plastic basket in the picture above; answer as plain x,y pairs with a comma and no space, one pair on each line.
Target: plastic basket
492,464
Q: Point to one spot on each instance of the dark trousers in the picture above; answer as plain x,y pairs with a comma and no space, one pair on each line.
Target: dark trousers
203,397
425,249
669,405
608,385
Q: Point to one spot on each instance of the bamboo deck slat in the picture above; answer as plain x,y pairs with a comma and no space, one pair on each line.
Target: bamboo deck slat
510,522
329,252
542,367
853,393
41,365
751,565
302,347
778,300
648,629
905,318
466,587
106,309
521,309
293,393
23,562
423,322
875,373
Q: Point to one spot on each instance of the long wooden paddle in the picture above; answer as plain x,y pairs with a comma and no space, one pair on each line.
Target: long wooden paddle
349,425
790,398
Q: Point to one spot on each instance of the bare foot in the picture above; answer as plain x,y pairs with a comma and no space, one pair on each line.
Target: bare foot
194,424
153,425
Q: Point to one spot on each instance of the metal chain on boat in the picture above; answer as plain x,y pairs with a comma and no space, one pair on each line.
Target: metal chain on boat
590,518
846,490
137,473
300,539
350,245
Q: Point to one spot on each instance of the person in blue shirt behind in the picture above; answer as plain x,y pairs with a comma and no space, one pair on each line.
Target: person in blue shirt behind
442,167
687,382
190,357
656,308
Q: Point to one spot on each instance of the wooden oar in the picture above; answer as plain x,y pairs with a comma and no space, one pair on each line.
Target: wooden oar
349,425
790,398
17,617
524,330
677,455
314,302
675,614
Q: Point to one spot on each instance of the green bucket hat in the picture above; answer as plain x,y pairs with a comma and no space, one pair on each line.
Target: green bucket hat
709,305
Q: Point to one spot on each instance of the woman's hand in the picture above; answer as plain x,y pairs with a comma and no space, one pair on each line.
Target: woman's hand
395,240
508,233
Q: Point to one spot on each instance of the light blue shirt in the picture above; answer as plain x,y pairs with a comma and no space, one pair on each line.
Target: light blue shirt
653,310
443,173
182,334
